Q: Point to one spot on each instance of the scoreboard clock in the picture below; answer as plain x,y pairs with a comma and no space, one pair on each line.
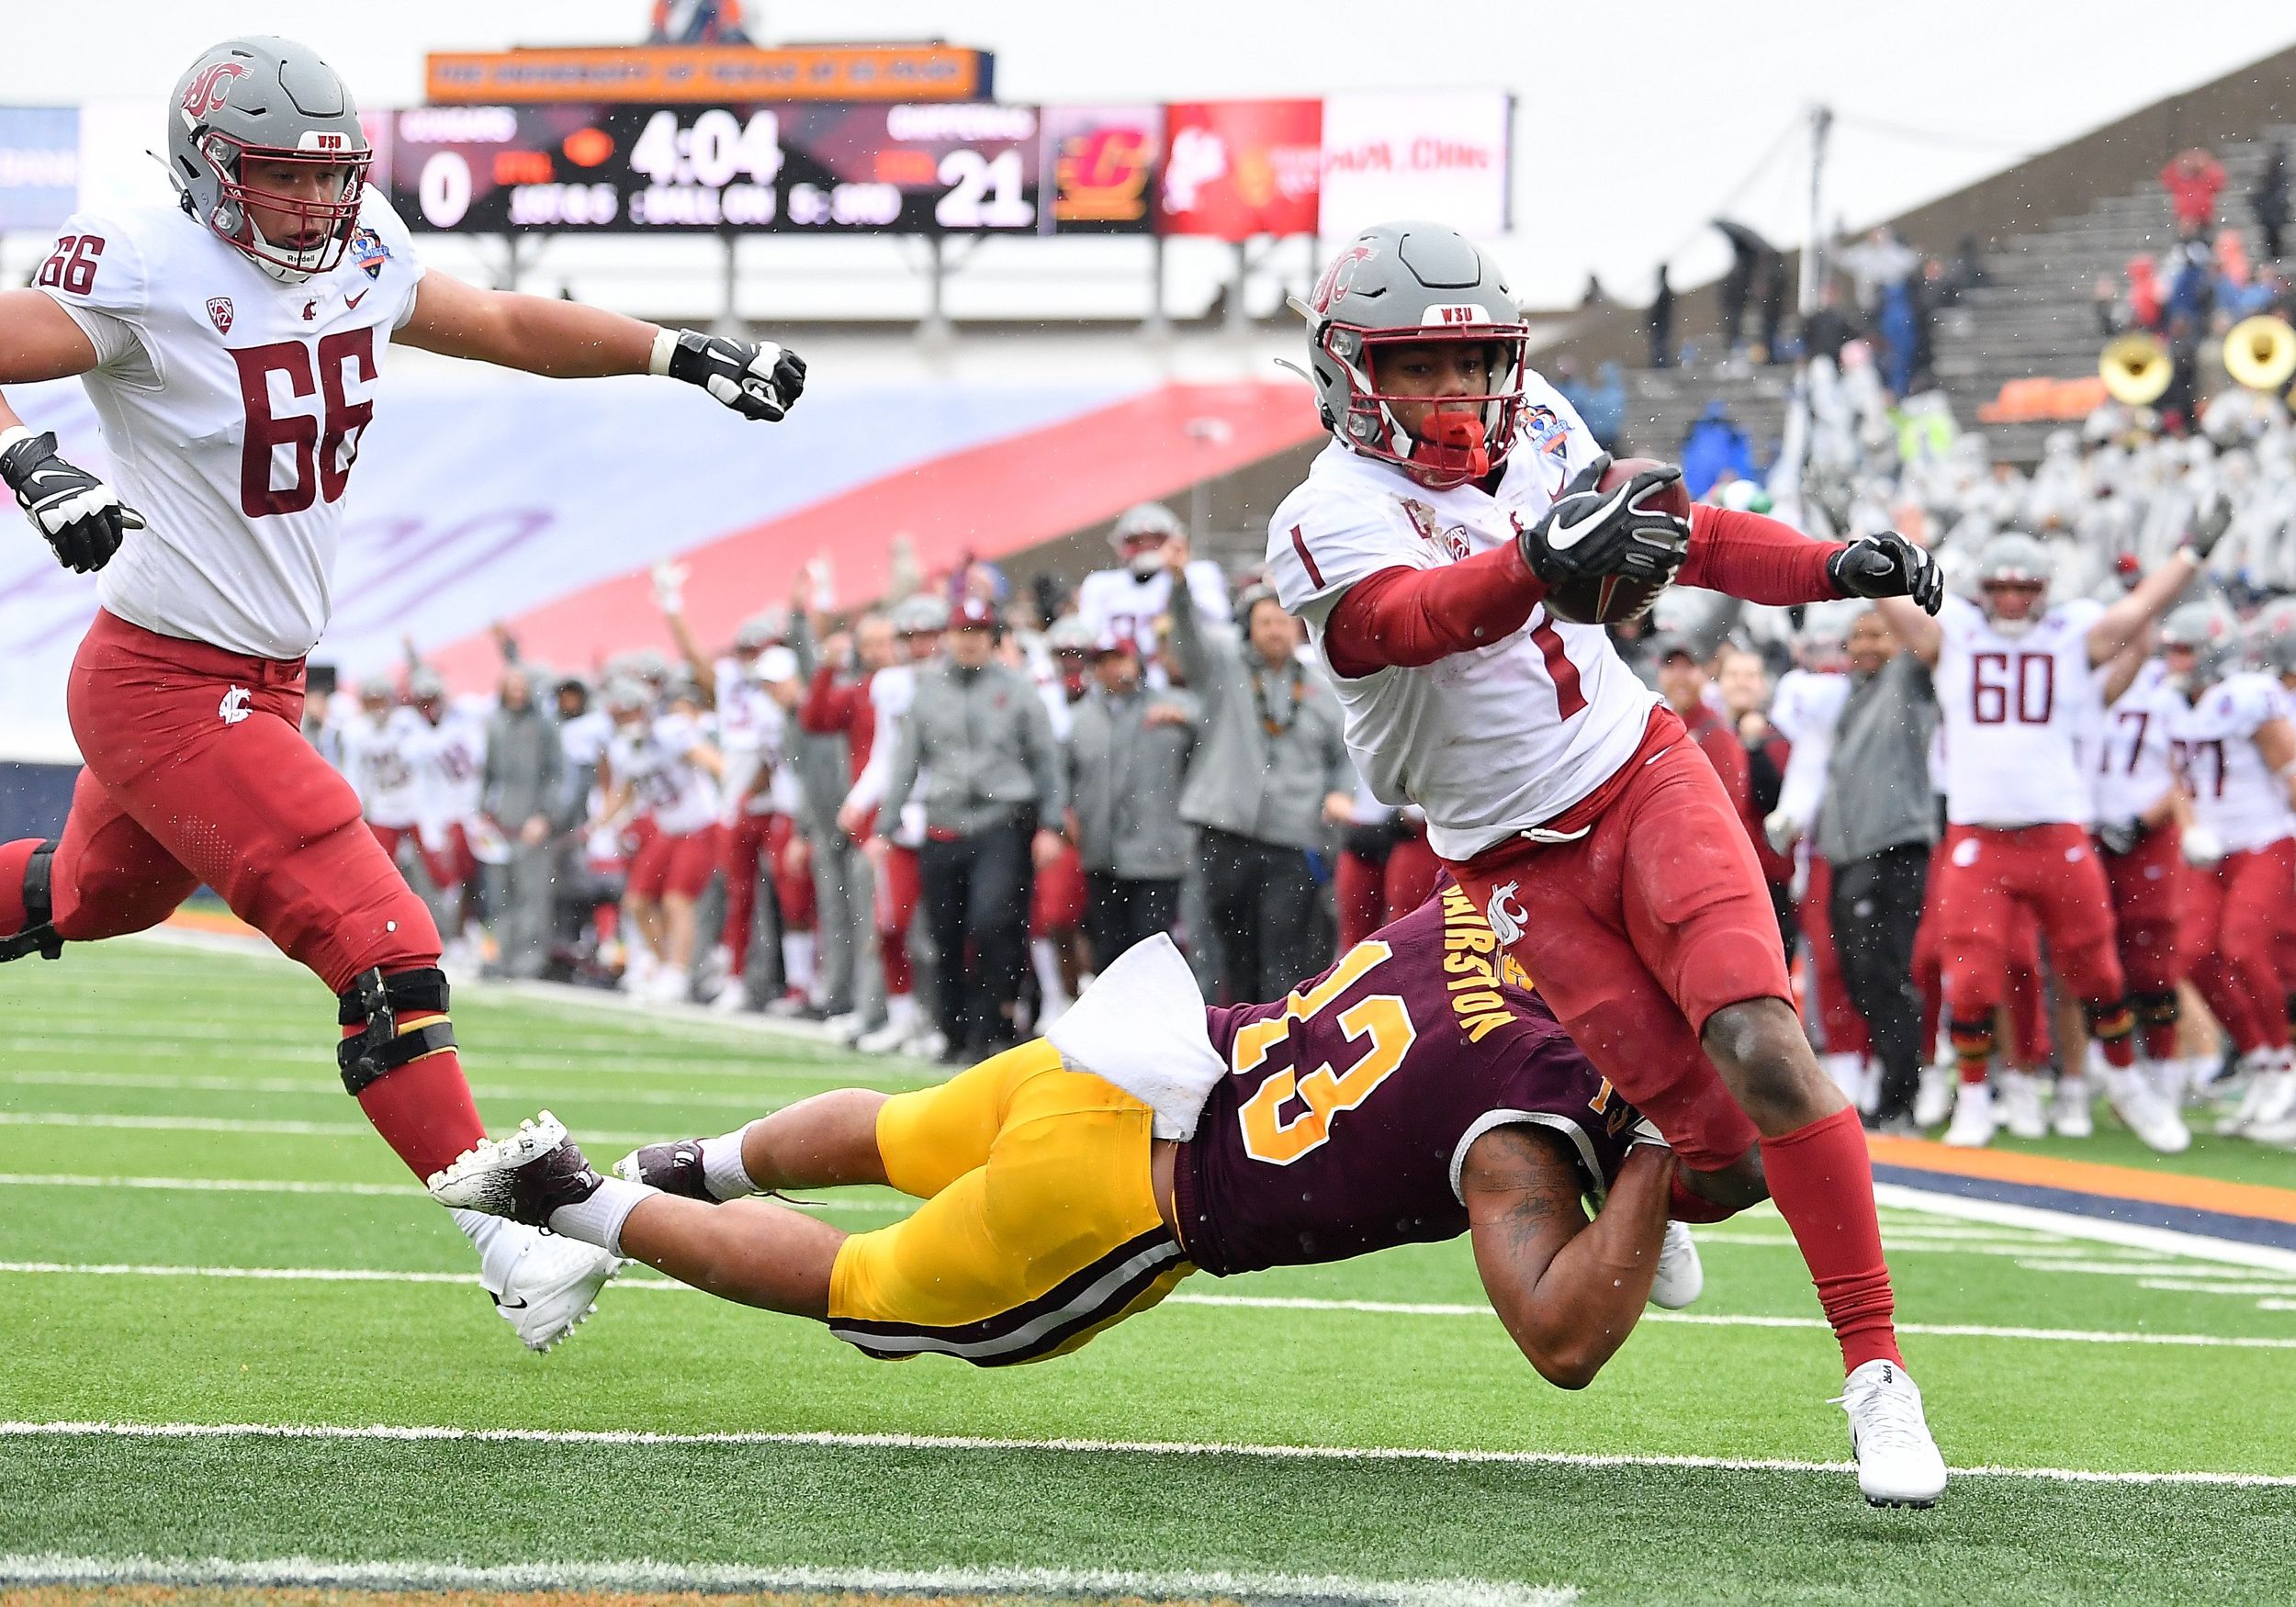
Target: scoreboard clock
792,167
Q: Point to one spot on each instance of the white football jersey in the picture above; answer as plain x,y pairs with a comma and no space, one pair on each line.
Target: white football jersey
1119,602
751,729
1805,709
2132,771
2015,714
233,406
655,759
451,760
378,756
890,691
1490,742
2212,741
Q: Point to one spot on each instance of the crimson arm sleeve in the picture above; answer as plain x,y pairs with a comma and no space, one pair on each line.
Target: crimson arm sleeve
1762,560
822,713
1406,617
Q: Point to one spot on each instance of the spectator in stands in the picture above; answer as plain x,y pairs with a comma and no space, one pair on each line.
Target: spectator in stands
1897,323
1751,255
523,794
1876,263
1127,764
1876,828
2145,295
1271,775
1827,329
978,734
2193,180
1714,447
1603,406
2269,200
1964,274
1775,285
1684,683
1662,323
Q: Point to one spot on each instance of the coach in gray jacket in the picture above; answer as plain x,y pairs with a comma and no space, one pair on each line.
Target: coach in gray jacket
1271,776
1128,754
992,807
524,786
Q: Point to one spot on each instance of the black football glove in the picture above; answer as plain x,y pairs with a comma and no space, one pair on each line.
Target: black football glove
756,379
1591,532
82,518
1888,565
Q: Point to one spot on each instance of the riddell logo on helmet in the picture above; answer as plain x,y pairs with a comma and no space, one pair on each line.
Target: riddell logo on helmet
210,90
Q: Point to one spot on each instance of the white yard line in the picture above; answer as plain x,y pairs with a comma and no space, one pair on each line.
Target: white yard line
1240,1302
280,1185
222,1124
724,1578
320,1087
897,1442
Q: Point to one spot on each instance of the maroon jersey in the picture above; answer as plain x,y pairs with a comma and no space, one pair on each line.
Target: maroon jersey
1349,1107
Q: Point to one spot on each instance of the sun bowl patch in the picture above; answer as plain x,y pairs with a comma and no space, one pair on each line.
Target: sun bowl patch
1546,431
369,250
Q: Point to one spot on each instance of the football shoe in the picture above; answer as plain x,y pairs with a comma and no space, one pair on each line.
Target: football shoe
525,1178
1899,1462
674,1168
544,1285
2021,1109
1680,1277
2068,1112
2155,1120
1933,1100
1974,1123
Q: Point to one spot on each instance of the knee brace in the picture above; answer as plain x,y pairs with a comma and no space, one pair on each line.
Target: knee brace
2161,1009
39,935
1972,1039
2111,1022
374,1002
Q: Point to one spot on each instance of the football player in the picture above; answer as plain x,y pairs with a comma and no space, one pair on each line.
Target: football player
2236,751
1129,599
2017,692
1457,488
230,344
1380,1103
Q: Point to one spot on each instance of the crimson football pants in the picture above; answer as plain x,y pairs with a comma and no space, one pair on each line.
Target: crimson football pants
1370,892
2149,888
1837,1019
196,770
2235,914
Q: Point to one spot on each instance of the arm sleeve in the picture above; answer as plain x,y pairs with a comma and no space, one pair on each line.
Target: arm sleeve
822,713
1405,616
1756,559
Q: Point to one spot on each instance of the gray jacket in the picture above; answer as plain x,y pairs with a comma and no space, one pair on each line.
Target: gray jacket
1124,781
1877,778
989,742
525,768
1268,785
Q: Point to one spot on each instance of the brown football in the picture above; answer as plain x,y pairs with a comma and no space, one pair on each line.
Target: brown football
1608,600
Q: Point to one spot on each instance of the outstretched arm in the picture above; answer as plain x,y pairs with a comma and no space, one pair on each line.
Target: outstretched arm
1567,1290
80,516
2125,620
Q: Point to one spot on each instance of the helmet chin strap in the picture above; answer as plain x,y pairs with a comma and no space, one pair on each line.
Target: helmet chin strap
1452,446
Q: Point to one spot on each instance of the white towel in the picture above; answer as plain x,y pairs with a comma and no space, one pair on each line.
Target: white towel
1141,1025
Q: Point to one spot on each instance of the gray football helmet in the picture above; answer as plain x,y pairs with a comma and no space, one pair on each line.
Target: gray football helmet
2211,635
2014,559
268,99
761,631
925,614
1414,283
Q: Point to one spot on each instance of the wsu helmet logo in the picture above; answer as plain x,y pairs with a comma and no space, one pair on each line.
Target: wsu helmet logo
1340,278
211,88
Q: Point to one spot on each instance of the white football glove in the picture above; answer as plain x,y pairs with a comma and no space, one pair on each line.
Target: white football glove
2202,847
669,586
82,519
1782,829
756,379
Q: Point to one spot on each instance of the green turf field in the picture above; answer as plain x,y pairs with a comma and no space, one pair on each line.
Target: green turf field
198,1231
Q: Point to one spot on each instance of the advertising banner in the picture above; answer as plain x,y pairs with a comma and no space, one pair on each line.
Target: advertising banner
1099,168
806,167
39,165
655,74
1416,154
1236,168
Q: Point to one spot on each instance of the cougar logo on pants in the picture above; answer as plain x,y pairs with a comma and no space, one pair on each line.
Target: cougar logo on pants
233,708
1505,914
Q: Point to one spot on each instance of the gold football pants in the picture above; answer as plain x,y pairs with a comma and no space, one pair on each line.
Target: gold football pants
1039,1227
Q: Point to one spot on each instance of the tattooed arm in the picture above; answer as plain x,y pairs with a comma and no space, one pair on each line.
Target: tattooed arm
1568,1291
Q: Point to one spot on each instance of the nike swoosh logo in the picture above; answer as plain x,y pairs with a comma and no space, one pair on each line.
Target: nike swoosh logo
351,301
517,1305
44,474
1566,535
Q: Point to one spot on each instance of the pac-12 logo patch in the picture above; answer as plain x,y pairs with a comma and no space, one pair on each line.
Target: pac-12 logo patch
220,313
369,250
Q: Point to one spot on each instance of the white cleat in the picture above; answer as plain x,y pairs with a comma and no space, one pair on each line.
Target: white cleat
893,1038
927,1045
2144,1112
1933,1100
2261,1092
2279,1100
2068,1112
1974,1124
2021,1109
732,999
1680,1277
549,1284
1899,1463
845,1026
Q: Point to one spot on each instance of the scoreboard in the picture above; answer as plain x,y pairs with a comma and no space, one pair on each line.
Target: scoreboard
790,167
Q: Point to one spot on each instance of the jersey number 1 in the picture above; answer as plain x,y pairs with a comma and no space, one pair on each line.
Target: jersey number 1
322,456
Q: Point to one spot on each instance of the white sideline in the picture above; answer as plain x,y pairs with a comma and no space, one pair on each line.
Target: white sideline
1249,1302
835,1440
51,1569
2073,1226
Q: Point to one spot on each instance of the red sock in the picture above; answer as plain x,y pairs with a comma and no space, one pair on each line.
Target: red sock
1686,1207
1823,1184
893,949
423,1110
12,859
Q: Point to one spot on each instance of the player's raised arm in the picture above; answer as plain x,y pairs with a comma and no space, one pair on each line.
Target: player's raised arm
564,340
1568,1291
2125,620
78,515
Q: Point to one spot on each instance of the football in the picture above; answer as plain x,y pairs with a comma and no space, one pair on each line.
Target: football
1607,600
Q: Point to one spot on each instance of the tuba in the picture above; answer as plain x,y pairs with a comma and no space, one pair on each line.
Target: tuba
2260,352
2137,369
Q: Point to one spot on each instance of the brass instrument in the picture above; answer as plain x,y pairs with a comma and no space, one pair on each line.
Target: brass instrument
2137,369
2260,352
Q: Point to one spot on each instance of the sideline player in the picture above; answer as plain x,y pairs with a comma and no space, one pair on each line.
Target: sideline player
1561,791
2017,695
1129,601
230,344
1058,1203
